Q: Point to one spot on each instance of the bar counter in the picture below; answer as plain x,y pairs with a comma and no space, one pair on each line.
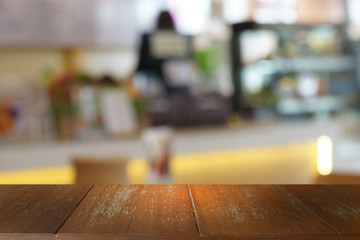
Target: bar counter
112,212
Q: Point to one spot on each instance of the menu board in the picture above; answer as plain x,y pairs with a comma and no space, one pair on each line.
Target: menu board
67,23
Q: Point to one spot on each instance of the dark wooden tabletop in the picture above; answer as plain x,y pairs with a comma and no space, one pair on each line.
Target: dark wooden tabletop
113,212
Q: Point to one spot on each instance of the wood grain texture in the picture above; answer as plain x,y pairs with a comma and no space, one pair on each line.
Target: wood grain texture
252,210
338,205
28,237
119,212
203,237
169,237
37,208
134,209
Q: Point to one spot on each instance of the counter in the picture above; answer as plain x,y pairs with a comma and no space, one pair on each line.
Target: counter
15,156
180,212
256,153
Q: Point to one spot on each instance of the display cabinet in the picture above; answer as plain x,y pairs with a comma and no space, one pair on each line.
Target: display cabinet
292,70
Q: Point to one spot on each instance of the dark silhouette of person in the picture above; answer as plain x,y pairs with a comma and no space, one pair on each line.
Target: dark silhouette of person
152,65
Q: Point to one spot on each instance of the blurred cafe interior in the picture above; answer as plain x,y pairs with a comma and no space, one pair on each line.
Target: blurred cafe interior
180,91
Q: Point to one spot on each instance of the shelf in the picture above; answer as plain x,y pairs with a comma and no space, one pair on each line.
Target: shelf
305,64
312,105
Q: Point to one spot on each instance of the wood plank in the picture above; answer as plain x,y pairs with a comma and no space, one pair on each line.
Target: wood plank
28,237
252,210
127,237
338,205
203,237
168,237
38,208
134,209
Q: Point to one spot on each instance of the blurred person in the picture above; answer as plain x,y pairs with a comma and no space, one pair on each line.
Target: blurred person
163,54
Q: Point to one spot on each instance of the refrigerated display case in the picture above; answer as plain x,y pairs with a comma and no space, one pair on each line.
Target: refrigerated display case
292,70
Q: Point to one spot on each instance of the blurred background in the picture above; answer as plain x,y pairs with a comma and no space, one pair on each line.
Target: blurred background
249,91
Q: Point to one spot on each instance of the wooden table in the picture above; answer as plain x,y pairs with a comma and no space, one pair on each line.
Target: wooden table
112,212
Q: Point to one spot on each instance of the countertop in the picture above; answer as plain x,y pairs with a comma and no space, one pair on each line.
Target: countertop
180,212
27,155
